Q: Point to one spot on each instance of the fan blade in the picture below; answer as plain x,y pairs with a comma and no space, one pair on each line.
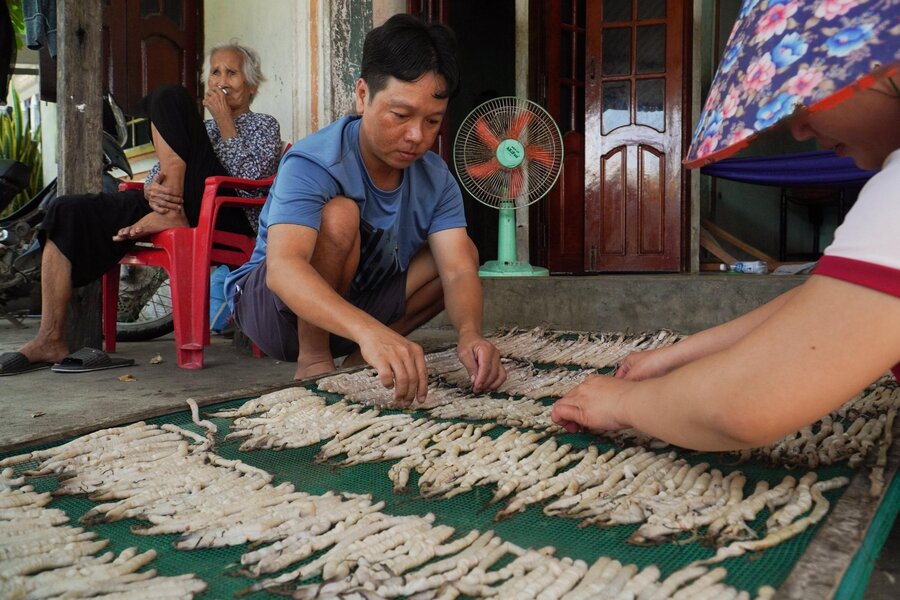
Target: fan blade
484,133
483,170
519,122
539,154
516,181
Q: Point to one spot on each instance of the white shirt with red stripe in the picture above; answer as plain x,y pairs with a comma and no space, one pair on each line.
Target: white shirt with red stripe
866,247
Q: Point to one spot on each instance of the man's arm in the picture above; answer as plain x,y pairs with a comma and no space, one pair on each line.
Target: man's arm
457,265
829,341
399,362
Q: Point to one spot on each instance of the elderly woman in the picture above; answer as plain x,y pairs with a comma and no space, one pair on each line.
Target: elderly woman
85,235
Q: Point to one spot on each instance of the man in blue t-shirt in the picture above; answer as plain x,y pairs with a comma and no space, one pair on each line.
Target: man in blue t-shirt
363,237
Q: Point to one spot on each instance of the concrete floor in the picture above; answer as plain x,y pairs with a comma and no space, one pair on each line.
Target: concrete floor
43,405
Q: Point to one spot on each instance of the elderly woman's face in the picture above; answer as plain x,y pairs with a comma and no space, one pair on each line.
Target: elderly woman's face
226,73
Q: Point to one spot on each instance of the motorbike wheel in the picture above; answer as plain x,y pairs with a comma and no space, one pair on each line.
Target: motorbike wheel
145,304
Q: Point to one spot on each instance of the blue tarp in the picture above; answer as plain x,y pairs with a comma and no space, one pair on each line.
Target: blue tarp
822,168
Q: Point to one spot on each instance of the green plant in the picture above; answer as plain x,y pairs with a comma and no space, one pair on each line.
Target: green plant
17,19
17,143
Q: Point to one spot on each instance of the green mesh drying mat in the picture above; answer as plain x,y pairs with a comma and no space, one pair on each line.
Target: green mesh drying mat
465,512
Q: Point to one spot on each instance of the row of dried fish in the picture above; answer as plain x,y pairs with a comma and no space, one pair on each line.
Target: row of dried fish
360,548
363,387
593,350
663,493
41,556
829,441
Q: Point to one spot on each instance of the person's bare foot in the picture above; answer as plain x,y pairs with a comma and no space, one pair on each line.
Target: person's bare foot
313,368
354,359
44,350
151,223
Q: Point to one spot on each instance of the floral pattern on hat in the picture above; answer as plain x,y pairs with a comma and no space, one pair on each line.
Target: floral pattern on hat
784,54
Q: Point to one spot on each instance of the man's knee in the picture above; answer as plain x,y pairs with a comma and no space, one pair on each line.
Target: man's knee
339,227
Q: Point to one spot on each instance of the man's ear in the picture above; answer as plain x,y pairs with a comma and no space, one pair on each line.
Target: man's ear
361,95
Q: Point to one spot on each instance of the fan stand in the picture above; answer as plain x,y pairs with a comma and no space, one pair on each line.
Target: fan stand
506,264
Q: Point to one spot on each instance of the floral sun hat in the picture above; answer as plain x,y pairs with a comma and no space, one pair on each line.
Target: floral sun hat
784,54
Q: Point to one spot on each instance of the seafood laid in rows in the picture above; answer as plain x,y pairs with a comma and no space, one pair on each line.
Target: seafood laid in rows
522,379
183,488
664,494
830,441
592,350
41,556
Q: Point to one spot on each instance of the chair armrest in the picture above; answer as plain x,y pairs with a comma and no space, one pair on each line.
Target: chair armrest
130,185
235,183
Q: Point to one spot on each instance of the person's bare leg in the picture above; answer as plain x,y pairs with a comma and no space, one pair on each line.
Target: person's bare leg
424,299
56,289
173,168
335,258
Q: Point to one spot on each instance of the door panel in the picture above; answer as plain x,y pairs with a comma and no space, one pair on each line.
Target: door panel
559,86
147,43
633,97
165,40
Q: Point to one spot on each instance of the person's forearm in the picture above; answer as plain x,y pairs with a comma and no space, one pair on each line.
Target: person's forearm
464,302
310,297
720,337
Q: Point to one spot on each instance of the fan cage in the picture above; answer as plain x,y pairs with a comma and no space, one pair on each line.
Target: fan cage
470,150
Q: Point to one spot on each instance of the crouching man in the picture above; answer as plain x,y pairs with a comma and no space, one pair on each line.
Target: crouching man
363,237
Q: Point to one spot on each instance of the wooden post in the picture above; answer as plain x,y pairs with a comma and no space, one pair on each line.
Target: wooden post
79,153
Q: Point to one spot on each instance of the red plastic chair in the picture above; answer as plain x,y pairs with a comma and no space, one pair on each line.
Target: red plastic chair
187,254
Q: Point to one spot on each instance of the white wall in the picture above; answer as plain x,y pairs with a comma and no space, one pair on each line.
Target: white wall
270,28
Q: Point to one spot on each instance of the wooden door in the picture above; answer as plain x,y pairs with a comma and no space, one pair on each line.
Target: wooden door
147,43
634,105
558,53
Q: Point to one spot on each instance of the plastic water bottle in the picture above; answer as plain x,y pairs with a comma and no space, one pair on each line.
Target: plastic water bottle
755,267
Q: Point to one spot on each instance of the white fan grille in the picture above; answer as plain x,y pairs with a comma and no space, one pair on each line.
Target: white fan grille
536,174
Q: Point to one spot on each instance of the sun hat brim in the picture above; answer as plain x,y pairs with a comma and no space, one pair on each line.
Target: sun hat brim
786,55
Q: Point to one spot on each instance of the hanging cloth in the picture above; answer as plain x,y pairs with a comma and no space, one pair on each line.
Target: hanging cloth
40,24
821,169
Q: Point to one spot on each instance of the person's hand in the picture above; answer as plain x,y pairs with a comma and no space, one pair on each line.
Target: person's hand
591,405
399,362
216,102
161,197
482,361
646,365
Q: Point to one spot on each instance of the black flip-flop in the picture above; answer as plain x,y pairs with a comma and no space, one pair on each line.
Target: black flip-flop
89,359
15,363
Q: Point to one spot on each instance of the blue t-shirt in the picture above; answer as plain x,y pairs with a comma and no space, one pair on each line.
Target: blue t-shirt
328,163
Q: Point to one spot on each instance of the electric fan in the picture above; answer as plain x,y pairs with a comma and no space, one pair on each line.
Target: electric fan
508,154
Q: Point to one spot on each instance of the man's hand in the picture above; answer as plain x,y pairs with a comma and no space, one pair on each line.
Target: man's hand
161,197
400,364
482,361
591,405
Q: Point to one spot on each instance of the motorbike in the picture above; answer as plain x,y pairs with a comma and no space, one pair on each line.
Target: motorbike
145,304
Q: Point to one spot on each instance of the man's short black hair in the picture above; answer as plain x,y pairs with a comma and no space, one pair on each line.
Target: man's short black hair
406,47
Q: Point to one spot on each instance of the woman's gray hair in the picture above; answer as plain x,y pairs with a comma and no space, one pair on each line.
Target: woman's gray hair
250,63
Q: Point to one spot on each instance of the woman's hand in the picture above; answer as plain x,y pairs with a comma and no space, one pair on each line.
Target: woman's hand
647,364
216,102
593,405
161,197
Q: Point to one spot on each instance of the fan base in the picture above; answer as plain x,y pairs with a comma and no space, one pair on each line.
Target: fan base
496,268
